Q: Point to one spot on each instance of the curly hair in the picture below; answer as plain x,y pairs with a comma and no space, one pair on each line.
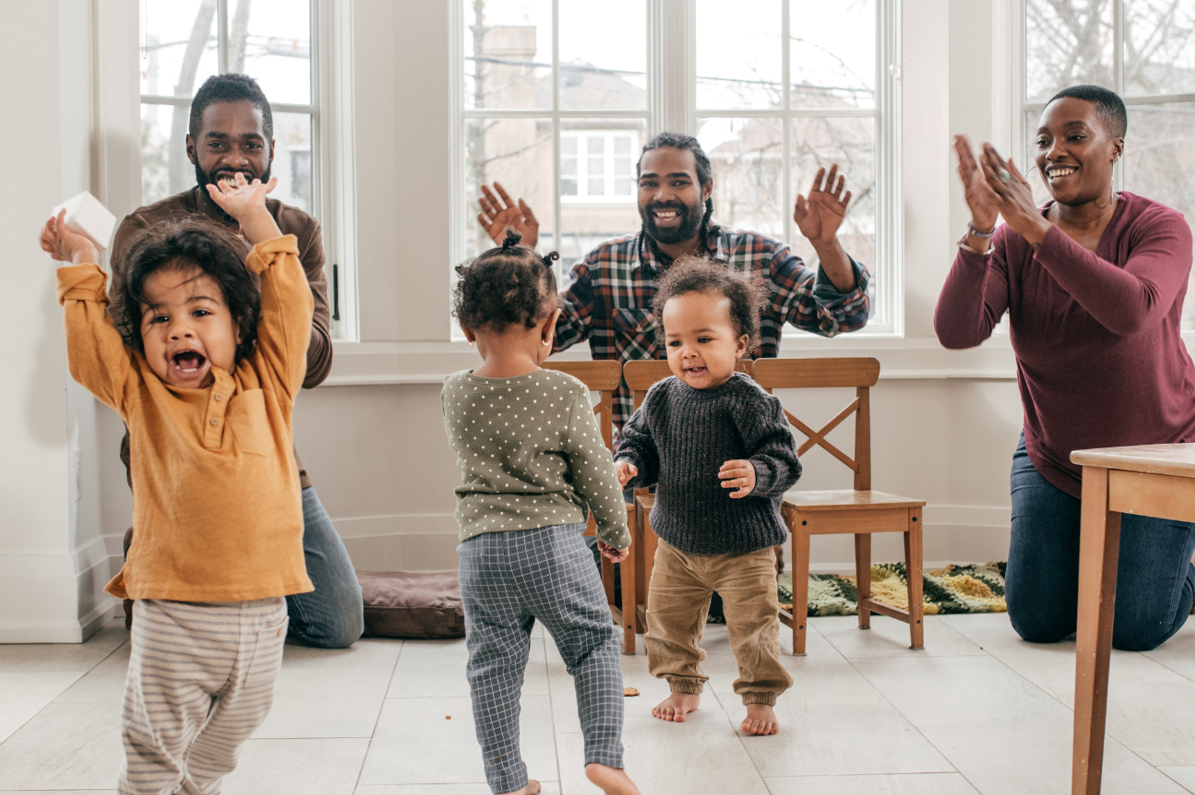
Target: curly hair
507,285
185,245
230,87
748,297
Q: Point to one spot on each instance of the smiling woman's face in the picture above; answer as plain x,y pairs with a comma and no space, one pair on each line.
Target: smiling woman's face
1075,152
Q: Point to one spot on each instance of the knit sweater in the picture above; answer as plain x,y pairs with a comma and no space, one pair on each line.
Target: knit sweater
531,456
680,437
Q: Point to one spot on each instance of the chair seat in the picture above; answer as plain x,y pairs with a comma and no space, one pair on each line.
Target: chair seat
837,499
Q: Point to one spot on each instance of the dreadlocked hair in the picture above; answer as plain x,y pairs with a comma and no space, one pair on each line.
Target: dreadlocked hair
505,286
705,171
694,274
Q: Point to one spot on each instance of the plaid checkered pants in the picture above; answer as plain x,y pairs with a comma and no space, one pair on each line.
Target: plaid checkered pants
508,581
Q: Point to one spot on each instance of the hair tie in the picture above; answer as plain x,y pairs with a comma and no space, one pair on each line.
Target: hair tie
512,239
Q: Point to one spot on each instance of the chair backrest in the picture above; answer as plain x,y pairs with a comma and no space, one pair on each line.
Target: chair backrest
641,375
601,377
860,373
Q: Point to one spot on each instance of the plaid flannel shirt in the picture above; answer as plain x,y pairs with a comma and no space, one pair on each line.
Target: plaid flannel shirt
608,300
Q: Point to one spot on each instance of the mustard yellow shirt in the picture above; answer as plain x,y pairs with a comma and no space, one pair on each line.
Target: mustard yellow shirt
217,512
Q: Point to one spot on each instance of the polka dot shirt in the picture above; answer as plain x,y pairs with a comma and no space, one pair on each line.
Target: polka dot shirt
530,455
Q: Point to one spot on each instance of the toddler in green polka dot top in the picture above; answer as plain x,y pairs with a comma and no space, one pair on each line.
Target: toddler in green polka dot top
533,467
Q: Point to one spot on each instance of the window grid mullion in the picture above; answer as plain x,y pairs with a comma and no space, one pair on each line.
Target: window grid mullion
222,36
557,201
786,197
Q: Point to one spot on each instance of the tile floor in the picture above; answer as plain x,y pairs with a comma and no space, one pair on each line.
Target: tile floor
977,712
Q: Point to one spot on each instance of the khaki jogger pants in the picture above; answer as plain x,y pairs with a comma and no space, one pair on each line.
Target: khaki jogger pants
679,600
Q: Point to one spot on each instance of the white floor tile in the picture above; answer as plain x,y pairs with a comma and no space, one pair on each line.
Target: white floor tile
103,683
888,637
365,653
436,669
26,658
66,746
432,741
297,767
1183,775
26,694
548,788
905,784
322,702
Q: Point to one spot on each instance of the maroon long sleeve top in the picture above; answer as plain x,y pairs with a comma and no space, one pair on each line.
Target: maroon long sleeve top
1100,362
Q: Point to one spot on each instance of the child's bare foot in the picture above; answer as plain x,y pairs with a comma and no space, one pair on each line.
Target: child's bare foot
761,719
611,780
676,706
532,788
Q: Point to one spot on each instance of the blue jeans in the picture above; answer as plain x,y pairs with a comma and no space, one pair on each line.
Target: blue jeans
331,616
1155,581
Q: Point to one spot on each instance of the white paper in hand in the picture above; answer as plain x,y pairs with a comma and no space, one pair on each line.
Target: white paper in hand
85,215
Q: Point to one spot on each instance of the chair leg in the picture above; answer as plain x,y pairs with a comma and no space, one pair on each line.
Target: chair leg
863,577
913,554
800,589
629,572
608,580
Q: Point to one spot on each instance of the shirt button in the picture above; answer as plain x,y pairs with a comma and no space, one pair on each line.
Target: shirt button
215,421
219,397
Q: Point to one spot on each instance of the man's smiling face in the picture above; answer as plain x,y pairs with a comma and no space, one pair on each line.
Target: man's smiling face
671,199
231,139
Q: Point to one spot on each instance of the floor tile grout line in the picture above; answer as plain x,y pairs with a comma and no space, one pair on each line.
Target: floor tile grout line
378,719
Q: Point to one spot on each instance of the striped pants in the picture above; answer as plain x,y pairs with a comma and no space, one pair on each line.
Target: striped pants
201,680
508,581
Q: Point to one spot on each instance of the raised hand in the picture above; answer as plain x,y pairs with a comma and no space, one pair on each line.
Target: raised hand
819,216
625,471
611,554
1011,196
738,475
64,244
496,215
975,188
246,202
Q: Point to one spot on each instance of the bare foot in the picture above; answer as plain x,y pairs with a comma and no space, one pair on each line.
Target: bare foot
676,706
760,720
611,780
532,788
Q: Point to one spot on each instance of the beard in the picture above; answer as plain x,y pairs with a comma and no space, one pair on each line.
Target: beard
690,222
204,179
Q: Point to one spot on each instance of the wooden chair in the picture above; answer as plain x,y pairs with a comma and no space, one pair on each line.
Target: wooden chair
602,377
860,510
638,566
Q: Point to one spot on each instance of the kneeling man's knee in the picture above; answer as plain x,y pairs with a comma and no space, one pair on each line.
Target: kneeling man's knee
1038,623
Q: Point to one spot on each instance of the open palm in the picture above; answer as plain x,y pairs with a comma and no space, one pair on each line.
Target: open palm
820,215
499,212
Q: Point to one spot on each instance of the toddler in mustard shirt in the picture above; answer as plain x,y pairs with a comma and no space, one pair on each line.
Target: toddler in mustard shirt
203,366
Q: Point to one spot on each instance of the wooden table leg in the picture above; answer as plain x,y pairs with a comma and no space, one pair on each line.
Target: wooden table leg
629,574
1099,548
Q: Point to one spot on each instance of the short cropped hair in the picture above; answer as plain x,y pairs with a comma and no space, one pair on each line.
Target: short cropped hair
504,286
230,87
1108,105
702,275
190,244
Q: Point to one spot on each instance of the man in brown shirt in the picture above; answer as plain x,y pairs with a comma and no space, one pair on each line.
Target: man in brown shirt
231,130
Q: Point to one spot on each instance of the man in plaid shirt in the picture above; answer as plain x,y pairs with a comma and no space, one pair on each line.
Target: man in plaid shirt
608,300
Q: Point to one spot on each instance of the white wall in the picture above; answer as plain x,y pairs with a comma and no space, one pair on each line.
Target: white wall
944,423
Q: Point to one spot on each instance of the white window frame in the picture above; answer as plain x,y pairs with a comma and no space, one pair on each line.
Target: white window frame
582,176
333,167
671,105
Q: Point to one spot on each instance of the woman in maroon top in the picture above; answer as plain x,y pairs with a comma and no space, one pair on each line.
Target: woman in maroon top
1093,283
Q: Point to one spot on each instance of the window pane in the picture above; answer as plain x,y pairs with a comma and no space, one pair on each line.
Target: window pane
180,46
508,53
832,53
270,40
747,159
738,54
1159,47
1066,42
293,160
1157,162
1028,164
818,143
588,220
165,169
603,55
517,153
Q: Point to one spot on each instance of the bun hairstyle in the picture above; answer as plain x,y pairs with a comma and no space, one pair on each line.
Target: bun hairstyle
506,285
748,297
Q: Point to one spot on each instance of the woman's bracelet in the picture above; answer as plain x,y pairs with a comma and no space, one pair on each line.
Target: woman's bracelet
972,230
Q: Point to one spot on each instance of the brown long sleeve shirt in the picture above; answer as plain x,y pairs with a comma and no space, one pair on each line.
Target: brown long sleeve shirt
292,221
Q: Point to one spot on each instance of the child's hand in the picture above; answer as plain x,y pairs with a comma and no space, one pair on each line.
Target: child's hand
625,470
611,554
738,475
246,202
65,245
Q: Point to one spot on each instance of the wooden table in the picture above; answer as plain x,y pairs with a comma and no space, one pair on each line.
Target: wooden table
1150,480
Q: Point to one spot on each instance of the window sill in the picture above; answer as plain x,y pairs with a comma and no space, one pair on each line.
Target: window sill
915,358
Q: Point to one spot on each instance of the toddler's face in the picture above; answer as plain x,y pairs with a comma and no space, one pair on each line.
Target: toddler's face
700,339
186,328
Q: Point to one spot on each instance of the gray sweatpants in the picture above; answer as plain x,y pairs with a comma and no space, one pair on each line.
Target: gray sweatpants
201,680
508,580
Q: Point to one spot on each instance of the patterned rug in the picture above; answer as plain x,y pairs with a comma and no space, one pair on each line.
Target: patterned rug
954,589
